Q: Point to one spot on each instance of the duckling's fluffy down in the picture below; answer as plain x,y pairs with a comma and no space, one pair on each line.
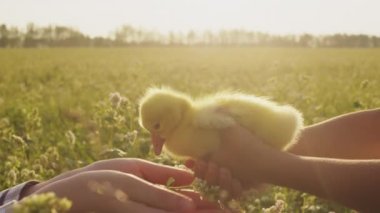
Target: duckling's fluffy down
278,125
190,127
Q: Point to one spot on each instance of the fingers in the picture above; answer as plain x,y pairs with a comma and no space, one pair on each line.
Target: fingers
237,188
136,207
199,201
129,206
212,211
157,173
200,169
212,174
126,165
225,179
109,191
218,176
228,183
61,176
136,189
153,172
152,195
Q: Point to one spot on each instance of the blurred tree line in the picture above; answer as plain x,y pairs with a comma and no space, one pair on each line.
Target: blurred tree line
62,36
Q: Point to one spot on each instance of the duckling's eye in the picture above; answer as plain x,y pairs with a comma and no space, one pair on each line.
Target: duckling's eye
156,126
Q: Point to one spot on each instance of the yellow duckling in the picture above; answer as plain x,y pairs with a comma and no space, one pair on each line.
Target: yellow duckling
189,128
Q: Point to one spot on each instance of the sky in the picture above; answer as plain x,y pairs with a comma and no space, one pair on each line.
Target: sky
101,17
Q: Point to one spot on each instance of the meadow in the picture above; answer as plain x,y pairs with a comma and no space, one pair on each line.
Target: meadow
56,113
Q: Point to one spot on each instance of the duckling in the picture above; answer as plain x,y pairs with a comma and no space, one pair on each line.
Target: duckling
190,128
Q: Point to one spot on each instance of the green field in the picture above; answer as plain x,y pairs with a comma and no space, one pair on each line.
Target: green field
55,112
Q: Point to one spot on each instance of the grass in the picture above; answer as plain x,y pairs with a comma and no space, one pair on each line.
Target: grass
55,112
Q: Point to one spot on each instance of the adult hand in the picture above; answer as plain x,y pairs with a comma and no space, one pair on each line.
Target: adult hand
214,175
348,182
239,163
245,155
124,185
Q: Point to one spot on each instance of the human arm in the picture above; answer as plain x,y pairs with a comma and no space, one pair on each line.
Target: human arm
349,136
353,183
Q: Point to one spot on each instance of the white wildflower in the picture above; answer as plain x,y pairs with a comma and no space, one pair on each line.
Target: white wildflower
70,136
115,99
278,207
131,136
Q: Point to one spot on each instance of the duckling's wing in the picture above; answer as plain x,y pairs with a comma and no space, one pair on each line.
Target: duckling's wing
211,115
277,125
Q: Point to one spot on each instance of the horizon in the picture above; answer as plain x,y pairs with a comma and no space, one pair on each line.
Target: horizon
101,18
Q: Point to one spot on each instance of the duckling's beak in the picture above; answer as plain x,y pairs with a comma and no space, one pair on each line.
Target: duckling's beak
157,142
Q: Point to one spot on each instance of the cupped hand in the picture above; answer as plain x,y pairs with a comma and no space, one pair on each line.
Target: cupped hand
158,174
125,185
113,191
138,167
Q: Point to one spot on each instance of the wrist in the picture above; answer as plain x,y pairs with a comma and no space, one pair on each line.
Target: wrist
278,165
262,164
288,170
